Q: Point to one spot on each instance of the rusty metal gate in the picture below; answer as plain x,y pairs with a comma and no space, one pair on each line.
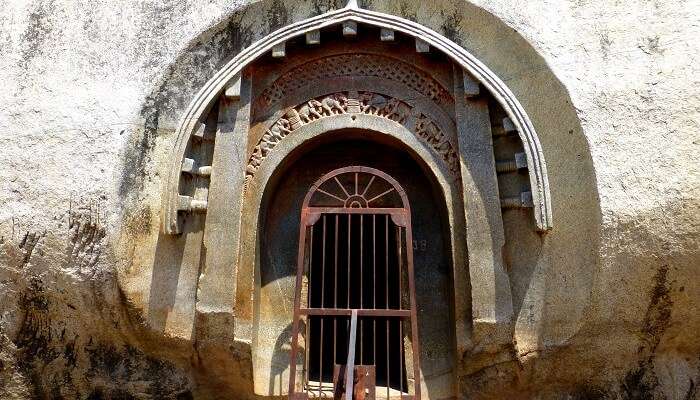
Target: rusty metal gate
354,308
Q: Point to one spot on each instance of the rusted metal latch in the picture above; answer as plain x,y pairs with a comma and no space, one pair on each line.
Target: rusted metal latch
361,376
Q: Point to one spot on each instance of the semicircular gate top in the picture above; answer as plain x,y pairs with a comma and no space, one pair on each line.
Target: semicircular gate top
356,187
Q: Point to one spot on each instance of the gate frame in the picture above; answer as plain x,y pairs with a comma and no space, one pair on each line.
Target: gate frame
401,216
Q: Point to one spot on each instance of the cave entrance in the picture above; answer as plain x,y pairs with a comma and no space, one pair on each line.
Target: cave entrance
355,307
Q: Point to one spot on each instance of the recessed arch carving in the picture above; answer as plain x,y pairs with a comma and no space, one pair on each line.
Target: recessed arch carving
228,79
363,65
324,131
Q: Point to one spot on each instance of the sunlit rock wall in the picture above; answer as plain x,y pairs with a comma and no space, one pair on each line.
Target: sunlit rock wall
92,93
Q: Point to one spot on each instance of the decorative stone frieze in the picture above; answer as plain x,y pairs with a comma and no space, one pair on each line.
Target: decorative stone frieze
368,103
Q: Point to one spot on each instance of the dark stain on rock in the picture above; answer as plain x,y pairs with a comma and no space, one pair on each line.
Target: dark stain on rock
35,330
187,395
400,8
114,394
641,382
105,360
69,354
692,392
650,45
137,156
605,43
277,15
28,243
85,245
180,81
34,338
109,363
225,44
60,364
408,13
658,314
590,393
319,7
198,64
138,222
451,24
39,29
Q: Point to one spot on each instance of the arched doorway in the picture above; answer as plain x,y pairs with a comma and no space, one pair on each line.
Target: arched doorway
362,237
430,245
387,78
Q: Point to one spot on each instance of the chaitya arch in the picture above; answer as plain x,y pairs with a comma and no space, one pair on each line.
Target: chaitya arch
227,81
256,116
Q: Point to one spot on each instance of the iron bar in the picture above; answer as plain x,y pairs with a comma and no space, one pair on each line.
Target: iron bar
297,305
331,195
335,291
350,365
386,250
349,261
364,192
400,323
308,302
342,187
323,287
362,230
367,312
374,281
380,195
344,210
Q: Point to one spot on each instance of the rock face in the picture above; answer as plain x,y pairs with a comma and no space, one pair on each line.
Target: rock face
605,305
66,332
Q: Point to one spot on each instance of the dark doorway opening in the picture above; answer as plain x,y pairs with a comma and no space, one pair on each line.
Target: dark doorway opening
353,262
355,265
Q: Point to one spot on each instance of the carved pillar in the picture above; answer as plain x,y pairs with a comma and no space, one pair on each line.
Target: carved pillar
492,308
180,318
217,282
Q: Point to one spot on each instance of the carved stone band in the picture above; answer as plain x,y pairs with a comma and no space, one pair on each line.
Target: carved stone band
355,103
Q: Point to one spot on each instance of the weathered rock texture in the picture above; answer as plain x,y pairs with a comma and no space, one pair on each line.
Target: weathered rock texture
92,93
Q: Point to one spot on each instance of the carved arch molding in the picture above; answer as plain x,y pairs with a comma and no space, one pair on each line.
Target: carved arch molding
403,85
227,82
256,110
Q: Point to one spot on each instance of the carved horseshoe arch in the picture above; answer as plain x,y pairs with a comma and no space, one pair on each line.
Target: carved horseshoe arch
228,79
